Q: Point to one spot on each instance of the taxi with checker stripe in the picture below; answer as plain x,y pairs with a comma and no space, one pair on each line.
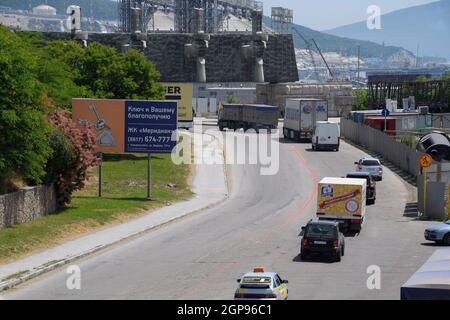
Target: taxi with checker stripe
261,285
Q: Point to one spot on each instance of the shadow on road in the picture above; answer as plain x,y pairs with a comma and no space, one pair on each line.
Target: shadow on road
302,141
314,259
433,244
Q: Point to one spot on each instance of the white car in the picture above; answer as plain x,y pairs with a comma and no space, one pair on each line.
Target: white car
372,166
261,285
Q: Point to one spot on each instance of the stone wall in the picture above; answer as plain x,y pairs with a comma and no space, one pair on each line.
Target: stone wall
338,95
223,56
26,204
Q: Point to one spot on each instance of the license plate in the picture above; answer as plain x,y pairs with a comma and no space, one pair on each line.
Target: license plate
320,242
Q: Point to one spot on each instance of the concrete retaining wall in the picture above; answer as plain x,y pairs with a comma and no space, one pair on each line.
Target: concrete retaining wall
26,204
395,152
223,56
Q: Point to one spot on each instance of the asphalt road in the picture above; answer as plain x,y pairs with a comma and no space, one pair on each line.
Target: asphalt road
202,256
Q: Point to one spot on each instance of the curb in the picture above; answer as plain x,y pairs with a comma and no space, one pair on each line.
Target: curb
25,275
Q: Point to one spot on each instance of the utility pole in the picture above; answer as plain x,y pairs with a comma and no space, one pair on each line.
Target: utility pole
359,54
417,55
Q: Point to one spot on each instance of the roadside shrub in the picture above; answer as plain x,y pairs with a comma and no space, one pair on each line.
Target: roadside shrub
409,140
361,99
73,155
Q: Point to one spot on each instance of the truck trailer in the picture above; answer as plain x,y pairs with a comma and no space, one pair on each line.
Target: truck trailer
343,200
301,115
248,116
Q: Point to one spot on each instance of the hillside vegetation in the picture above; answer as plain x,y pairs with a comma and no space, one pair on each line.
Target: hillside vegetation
344,46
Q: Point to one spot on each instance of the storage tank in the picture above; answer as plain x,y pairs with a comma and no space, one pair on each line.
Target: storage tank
44,10
436,144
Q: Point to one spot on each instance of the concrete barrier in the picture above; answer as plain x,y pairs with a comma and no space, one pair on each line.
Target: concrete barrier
395,152
26,204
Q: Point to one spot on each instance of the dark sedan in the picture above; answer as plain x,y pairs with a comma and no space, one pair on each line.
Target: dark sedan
322,237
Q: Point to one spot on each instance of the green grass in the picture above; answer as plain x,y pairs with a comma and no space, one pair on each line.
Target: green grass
124,196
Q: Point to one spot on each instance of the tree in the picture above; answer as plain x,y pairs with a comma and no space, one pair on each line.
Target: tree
361,99
24,148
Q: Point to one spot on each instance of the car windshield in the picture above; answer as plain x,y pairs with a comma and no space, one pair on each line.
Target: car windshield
370,163
321,230
448,222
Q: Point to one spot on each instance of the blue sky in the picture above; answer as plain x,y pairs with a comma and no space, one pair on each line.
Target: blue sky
328,14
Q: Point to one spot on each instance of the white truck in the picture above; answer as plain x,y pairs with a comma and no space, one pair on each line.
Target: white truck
343,200
301,115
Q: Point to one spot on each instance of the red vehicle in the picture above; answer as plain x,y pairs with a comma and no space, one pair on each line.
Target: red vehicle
377,122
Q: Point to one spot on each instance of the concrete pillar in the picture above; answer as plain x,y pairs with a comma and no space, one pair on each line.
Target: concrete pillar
135,20
198,23
257,21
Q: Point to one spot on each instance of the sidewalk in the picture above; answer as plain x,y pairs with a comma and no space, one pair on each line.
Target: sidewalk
209,186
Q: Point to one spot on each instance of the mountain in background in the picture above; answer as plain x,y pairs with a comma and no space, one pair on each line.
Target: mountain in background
427,26
101,9
344,46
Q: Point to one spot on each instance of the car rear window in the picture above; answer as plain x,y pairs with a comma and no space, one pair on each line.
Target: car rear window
370,163
321,231
359,177
256,282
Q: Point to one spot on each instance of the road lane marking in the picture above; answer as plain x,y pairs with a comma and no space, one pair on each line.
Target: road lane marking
225,266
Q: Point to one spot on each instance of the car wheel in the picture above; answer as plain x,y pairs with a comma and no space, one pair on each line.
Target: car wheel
343,250
338,256
303,256
446,240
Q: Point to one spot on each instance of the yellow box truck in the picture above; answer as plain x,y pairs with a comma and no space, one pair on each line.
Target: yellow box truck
343,200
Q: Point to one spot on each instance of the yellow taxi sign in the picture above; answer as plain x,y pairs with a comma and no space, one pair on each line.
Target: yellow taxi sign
258,269
425,160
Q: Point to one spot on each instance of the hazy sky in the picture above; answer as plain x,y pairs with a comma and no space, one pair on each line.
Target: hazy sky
327,14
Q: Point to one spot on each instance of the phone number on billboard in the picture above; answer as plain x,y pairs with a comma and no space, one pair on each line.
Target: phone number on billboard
148,139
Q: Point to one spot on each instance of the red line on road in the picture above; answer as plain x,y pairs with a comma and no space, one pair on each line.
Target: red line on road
277,229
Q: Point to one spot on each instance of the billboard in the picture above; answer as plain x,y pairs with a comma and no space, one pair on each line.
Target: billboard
182,93
129,126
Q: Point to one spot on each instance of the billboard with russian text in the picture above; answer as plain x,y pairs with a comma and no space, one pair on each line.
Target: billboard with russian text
129,126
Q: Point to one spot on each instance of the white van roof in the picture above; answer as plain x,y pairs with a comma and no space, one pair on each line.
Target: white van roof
326,122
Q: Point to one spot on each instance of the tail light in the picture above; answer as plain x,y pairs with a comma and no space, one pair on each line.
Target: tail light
334,243
355,220
305,242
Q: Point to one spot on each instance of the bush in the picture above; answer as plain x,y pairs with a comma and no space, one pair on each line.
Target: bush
361,99
409,140
73,155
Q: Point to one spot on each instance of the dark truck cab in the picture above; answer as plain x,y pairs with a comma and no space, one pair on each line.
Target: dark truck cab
371,190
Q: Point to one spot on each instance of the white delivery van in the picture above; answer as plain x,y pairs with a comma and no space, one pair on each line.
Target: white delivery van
326,135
